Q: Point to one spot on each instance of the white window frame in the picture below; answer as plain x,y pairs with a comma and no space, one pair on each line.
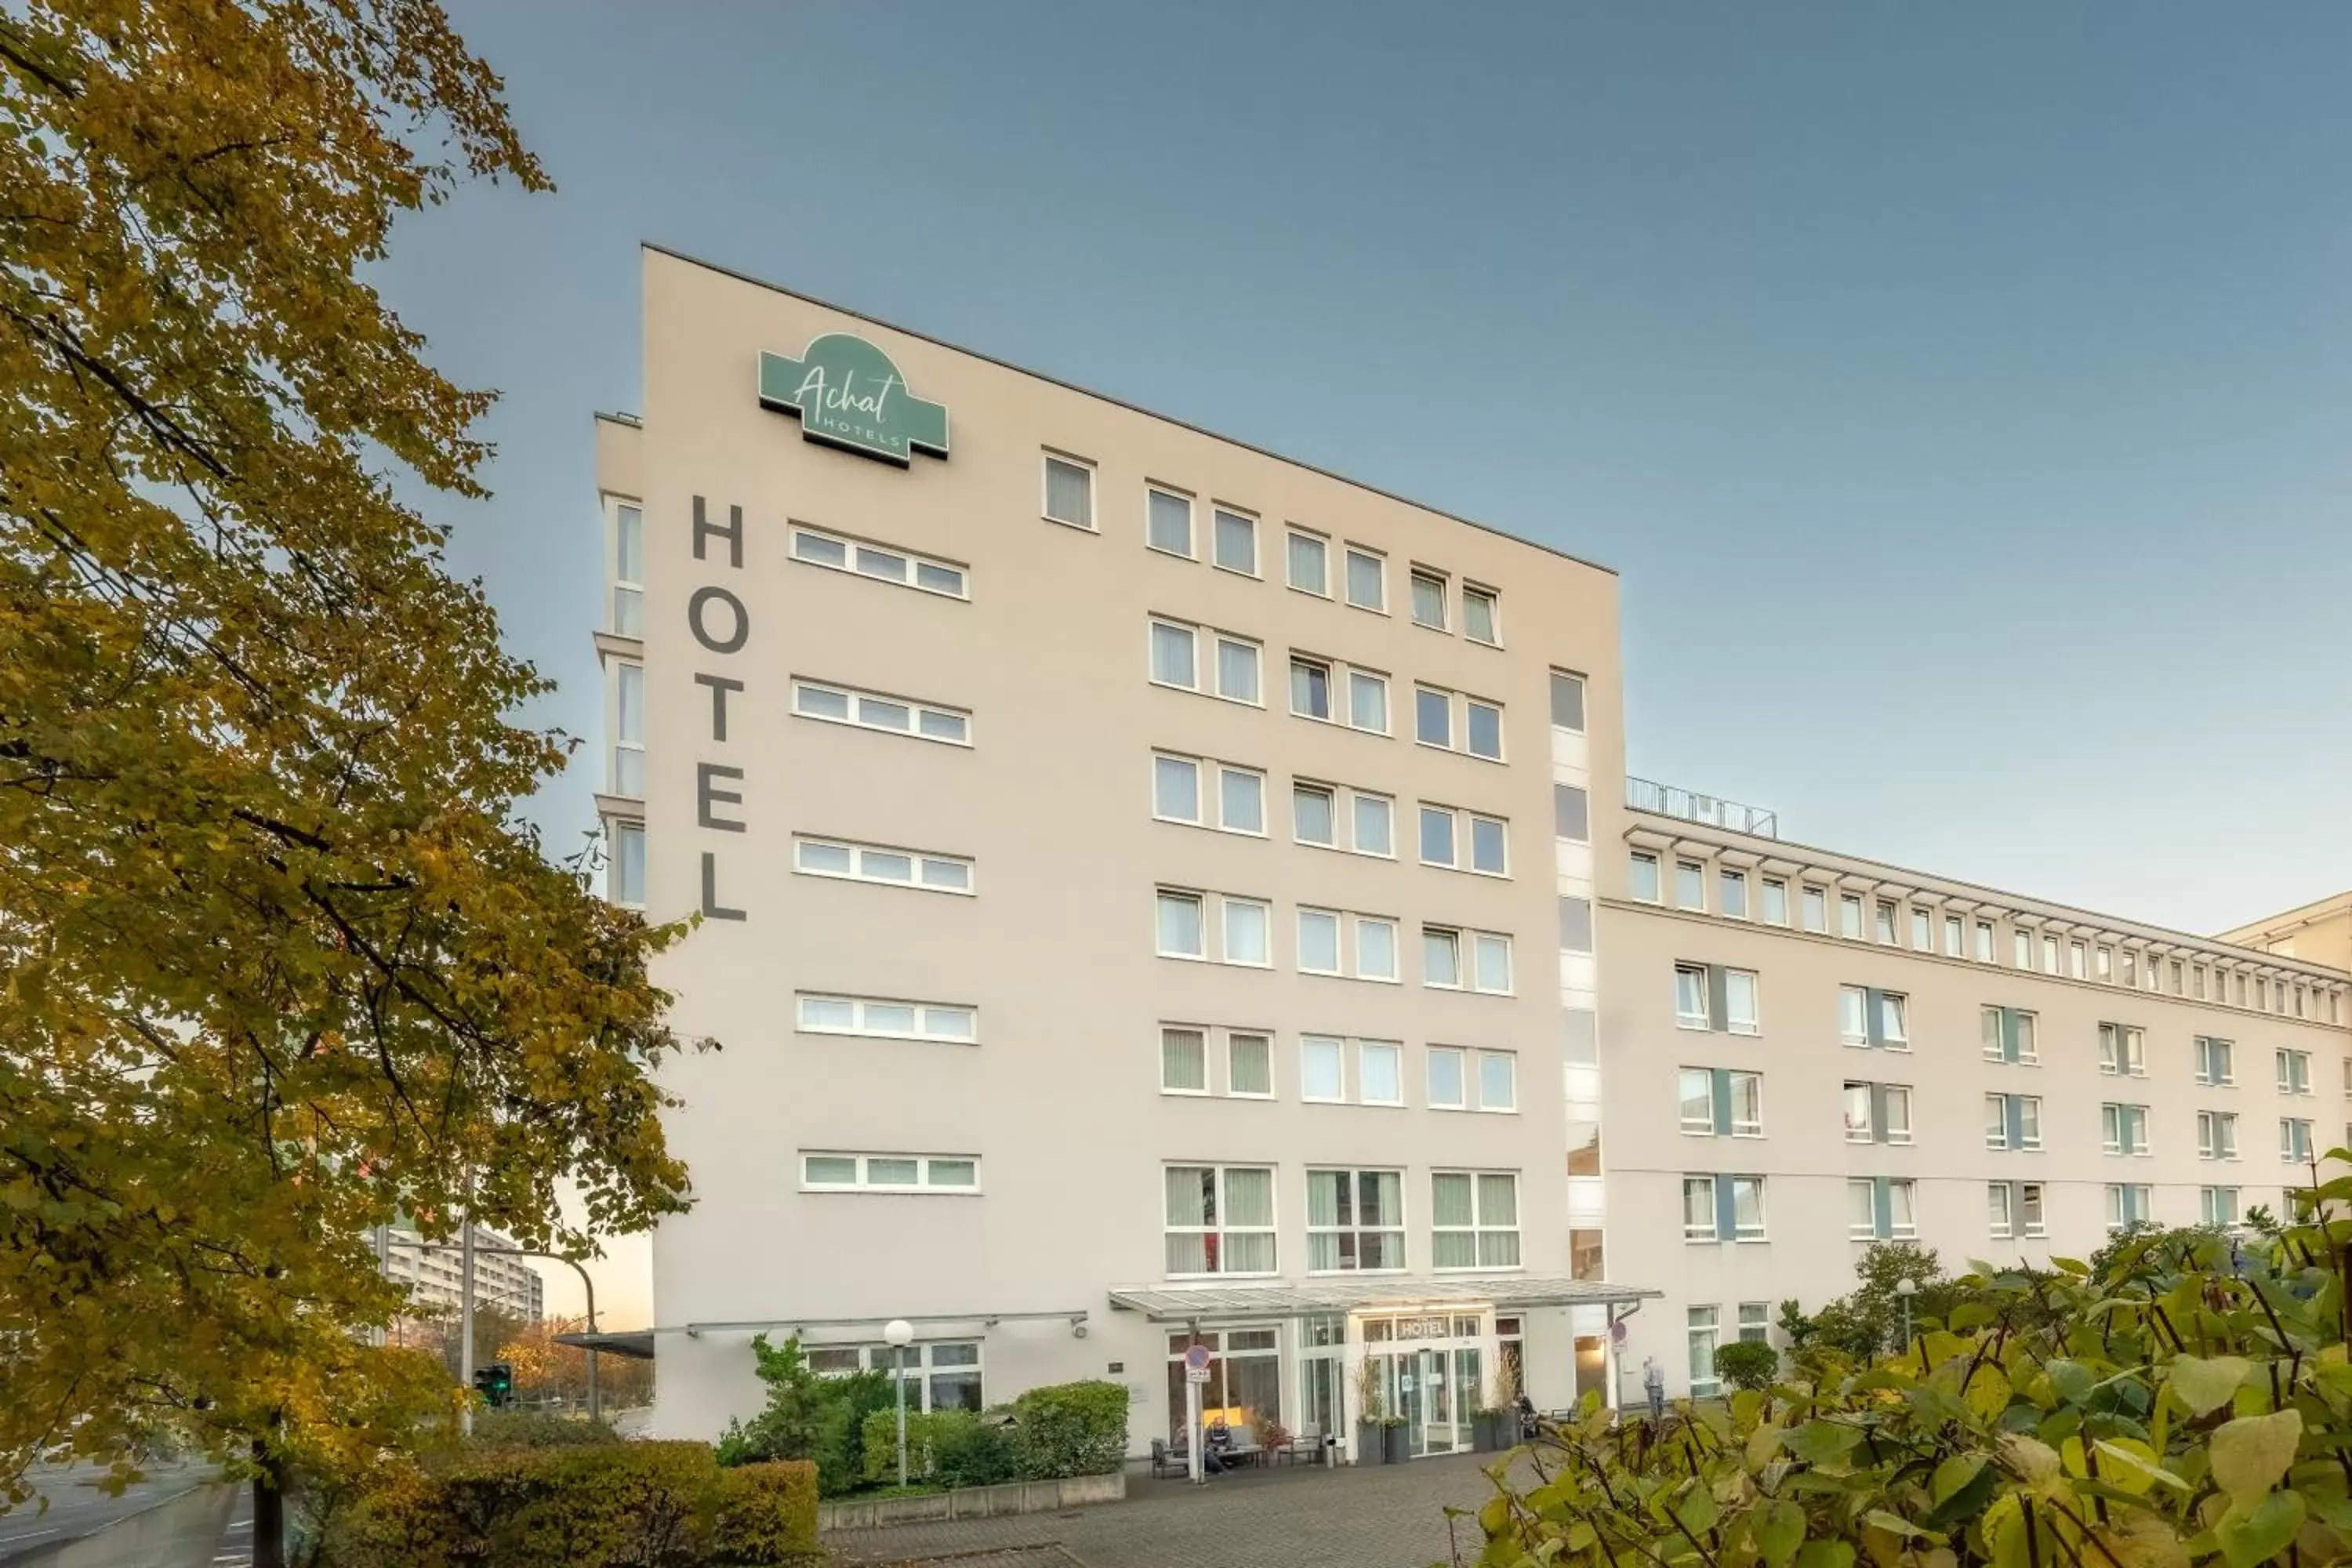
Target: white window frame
1331,794
1705,1017
1152,626
1481,943
1657,893
1218,512
1350,552
1470,706
1479,1229
1199,1034
1312,1049
1353,1178
1220,1229
618,580
1898,1136
1264,1039
851,544
1475,820
1218,642
854,699
1162,898
2294,1072
1493,598
864,1182
1733,1024
628,672
2295,1143
1373,677
1451,935
1199,817
1338,949
2217,1136
1460,1057
1362,1049
619,859
1047,458
1482,1060
1322,541
862,1024
1705,1126
1395,976
1226,904
2206,1057
1692,1231
2033,1209
1415,577
1331,687
920,864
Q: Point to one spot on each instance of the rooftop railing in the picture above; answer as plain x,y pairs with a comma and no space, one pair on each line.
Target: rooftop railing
1648,794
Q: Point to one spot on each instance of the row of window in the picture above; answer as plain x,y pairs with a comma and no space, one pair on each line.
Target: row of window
1227,665
1717,1208
1334,1070
1220,1221
1171,526
1452,958
1886,921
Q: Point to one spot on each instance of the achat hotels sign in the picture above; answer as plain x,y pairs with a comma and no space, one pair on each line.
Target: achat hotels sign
848,394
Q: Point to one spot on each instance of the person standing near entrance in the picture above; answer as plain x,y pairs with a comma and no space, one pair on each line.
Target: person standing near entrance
1653,1383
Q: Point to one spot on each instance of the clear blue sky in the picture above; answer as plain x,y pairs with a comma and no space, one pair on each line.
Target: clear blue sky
1962,390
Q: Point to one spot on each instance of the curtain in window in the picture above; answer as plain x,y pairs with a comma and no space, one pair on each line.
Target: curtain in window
1327,1195
1498,1201
1249,1197
1252,1065
1450,1201
1069,493
1183,1060
1901,1216
1237,670
1698,1205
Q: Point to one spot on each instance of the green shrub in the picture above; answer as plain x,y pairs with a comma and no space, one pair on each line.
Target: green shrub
766,1516
1746,1363
619,1505
1069,1429
944,1448
821,1419
536,1429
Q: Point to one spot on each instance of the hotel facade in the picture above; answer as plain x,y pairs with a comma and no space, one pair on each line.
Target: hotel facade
1154,894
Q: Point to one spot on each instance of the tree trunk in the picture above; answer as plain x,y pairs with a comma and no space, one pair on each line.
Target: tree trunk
268,1513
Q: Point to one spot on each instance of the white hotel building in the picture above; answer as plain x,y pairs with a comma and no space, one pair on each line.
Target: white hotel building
1152,891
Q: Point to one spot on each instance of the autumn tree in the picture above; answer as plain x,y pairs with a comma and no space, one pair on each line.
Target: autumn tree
277,959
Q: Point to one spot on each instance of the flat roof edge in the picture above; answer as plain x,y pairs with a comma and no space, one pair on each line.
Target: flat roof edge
854,314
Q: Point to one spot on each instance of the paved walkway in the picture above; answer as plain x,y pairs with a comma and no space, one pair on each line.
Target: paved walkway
1292,1517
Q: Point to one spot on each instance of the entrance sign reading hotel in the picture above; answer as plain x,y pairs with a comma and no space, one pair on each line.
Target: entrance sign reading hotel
849,394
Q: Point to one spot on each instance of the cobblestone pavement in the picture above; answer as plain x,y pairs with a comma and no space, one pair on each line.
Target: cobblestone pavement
1300,1517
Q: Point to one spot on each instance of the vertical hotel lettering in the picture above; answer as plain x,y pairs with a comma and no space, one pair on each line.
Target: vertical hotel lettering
720,623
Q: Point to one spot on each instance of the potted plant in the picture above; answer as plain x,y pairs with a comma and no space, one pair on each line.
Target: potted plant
1395,1440
1495,1424
1369,1447
1273,1438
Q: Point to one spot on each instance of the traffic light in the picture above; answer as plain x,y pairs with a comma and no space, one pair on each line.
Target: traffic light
495,1382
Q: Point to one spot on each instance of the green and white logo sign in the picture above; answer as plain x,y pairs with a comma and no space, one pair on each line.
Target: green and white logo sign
849,394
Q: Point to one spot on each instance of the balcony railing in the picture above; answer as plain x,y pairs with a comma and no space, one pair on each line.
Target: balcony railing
1647,795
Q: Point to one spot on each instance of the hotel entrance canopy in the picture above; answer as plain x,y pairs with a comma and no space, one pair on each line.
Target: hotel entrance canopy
1279,1299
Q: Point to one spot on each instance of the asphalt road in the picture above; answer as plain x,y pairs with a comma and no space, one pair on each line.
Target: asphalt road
76,1506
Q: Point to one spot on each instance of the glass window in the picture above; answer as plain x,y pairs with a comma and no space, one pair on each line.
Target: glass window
1953,936
1494,960
1168,522
1567,702
1498,1081
1246,938
1220,1220
1376,948
1902,1209
1237,670
1311,814
628,571
1310,689
1179,925
1355,1220
1747,1104
1850,916
1366,585
1433,717
1816,909
1183,1061
1308,563
1241,800
1173,660
1747,1207
1176,788
1485,729
1854,1014
1776,901
1898,1113
1886,923
1488,842
1894,1019
1428,599
1436,835
1474,1220
1861,1208
1858,1127
1698,1208
1249,1065
1575,923
628,872
1739,1003
2029,1206
1318,941
1321,1067
1479,621
1641,877
1237,542
1703,1332
1446,1082
1690,885
1697,1099
1069,492
1375,826
1571,816
1923,928
1367,701
1731,892
1440,956
1997,1218
1691,995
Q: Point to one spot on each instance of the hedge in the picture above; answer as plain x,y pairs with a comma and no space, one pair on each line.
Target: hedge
944,1448
618,1505
1069,1429
1746,1363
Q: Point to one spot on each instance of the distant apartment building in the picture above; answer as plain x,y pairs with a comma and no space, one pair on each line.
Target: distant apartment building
435,1275
1156,896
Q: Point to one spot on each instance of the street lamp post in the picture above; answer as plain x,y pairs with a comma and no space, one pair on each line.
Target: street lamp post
900,1333
1906,1289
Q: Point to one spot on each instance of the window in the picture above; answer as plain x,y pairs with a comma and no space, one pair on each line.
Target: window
876,863
1355,1221
1748,1208
1237,667
2197,981
2123,1128
1984,942
1480,621
1322,1068
1998,1205
1691,996
2216,1063
629,769
627,848
2028,1207
2128,1203
880,1019
1375,832
1367,701
1815,903
1690,885
1776,901
628,571
1249,1065
1318,941
1311,815
1447,1081
1433,717
1498,1082
1308,563
1168,522
1176,788
1858,1119
1850,916
1310,687
2218,1205
1642,876
1567,702
1717,1100
1367,580
1485,729
1380,1072
2022,948
1884,918
883,563
1571,816
1754,1322
1183,1061
1898,1112
1893,1020
2294,1071
1902,1209
2294,1140
872,710
2049,954
1220,1219
1702,1335
1179,925
1069,491
1441,957
2074,960
2103,963
1492,970
2217,1136
1698,1208
1861,1208
1854,1014
1236,542
1241,800
1954,935
1473,1219
1698,1101
1175,656
1248,940
1739,1002
1488,845
1731,892
2121,1051
890,1173
1575,923
1436,835
1428,599
1376,948
1923,930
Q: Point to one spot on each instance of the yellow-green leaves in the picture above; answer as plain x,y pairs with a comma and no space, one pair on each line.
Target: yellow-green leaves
2204,1385
1820,1442
2252,1452
1779,1527
2255,1531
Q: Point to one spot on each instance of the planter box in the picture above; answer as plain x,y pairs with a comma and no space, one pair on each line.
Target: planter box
972,1503
1370,1447
1398,1441
1485,1431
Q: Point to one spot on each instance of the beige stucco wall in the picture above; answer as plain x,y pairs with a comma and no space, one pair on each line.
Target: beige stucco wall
1060,1102
2318,933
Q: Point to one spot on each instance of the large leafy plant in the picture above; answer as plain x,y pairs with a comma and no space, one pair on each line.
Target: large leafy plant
2188,1403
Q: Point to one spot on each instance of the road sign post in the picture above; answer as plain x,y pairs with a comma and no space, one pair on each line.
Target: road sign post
1196,1376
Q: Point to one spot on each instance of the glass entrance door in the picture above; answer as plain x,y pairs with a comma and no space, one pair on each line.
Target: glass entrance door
1428,1369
